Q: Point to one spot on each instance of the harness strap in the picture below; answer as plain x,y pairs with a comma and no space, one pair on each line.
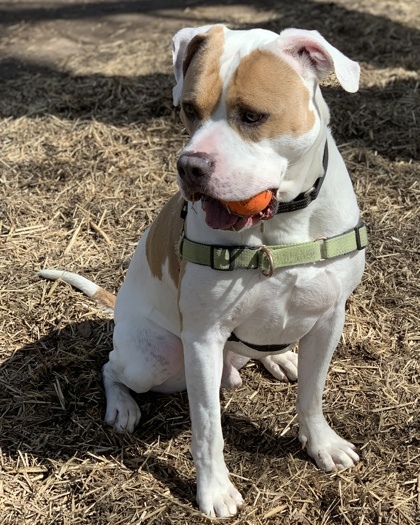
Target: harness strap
268,258
259,348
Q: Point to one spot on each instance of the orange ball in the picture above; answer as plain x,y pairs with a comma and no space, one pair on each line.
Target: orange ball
250,206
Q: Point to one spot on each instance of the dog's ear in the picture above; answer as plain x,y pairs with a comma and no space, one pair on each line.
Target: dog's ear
181,50
313,55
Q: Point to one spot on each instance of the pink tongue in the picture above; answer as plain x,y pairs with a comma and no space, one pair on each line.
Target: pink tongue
217,216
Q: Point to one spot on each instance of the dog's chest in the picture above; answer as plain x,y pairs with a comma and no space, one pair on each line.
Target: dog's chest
284,308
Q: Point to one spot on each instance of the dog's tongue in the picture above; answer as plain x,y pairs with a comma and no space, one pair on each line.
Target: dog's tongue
217,216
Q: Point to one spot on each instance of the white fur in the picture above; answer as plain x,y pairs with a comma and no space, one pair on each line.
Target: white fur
154,350
79,282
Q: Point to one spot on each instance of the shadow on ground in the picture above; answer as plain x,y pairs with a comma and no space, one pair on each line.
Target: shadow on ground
28,88
53,407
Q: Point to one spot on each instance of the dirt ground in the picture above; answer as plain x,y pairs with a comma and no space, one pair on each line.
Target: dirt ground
88,146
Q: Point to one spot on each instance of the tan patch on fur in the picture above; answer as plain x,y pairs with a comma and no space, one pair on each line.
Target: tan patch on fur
264,83
105,299
162,238
203,83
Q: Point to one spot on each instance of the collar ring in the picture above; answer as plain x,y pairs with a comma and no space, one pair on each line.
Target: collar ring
263,248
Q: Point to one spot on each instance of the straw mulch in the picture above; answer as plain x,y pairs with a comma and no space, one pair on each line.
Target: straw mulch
88,142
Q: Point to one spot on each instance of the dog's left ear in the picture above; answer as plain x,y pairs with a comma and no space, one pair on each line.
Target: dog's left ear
313,55
180,44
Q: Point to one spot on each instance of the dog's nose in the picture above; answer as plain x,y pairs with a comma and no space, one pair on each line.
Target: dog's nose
195,166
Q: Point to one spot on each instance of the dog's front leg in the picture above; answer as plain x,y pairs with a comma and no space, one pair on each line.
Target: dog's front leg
329,450
216,495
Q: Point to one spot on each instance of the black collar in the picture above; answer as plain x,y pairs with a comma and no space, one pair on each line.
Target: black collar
305,198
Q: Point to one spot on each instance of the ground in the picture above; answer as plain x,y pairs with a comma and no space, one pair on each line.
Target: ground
88,143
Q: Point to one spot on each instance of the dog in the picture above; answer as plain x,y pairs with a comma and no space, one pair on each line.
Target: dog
209,288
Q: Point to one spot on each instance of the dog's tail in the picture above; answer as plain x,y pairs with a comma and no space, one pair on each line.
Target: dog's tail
105,300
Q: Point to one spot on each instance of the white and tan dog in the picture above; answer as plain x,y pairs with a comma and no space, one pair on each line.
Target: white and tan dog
184,319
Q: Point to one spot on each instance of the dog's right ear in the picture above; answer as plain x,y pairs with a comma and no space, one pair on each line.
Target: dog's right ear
181,50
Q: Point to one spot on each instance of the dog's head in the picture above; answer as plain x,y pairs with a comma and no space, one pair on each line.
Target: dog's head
251,103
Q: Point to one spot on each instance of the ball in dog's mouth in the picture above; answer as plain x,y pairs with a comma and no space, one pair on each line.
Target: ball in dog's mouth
237,215
251,206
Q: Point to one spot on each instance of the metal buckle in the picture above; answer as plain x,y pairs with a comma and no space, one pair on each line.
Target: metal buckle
358,239
267,252
308,192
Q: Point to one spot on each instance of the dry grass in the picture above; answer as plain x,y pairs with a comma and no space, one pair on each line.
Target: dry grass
88,150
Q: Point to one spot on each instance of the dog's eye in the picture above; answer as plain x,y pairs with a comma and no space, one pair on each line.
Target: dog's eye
189,111
252,117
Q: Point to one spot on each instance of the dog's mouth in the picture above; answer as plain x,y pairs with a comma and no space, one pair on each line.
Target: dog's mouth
220,217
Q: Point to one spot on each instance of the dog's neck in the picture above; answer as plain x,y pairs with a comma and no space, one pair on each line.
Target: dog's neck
301,176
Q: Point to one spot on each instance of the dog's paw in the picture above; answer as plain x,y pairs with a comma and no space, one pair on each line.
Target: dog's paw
122,412
283,367
329,451
219,499
231,378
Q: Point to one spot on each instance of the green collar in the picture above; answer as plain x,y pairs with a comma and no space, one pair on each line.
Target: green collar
268,258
